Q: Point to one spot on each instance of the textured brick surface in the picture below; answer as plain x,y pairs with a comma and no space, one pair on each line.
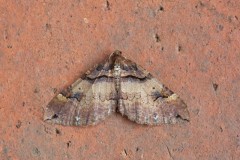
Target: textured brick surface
193,47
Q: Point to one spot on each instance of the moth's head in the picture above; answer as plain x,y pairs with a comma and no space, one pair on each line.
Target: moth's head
117,52
115,55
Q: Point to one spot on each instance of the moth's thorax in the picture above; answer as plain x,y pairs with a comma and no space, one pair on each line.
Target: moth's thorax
117,75
117,70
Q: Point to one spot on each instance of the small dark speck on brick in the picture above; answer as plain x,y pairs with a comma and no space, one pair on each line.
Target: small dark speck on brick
9,46
58,131
220,27
200,4
157,38
23,104
221,129
36,90
19,123
179,48
215,86
69,144
125,151
107,5
161,8
48,26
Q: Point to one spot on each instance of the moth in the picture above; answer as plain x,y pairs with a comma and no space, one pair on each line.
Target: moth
117,85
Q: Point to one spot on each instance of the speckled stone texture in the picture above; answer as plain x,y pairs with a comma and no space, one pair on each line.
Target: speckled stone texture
193,47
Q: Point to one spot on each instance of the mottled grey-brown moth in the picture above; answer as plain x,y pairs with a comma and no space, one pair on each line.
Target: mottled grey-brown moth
119,85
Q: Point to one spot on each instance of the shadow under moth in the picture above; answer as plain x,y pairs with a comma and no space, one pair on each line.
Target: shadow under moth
117,85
